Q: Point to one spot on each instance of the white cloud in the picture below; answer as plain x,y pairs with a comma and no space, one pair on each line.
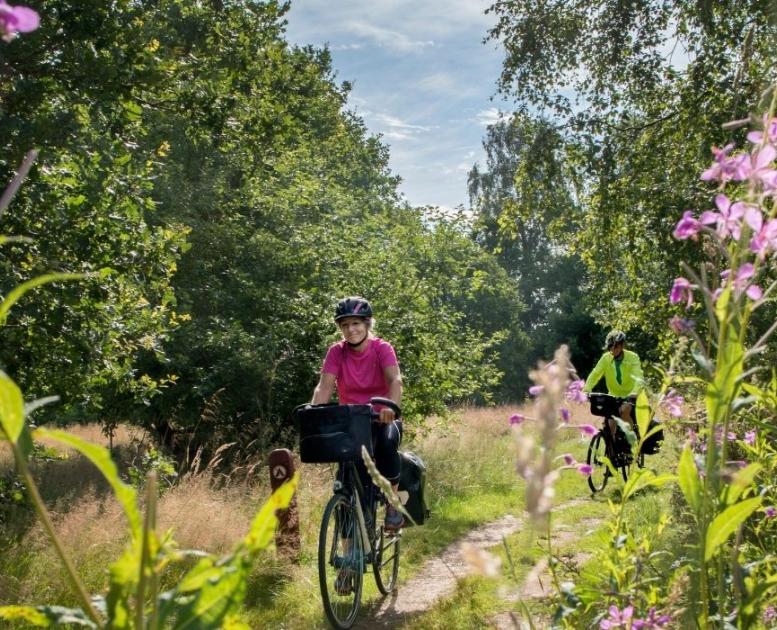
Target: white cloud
395,123
490,116
387,38
346,47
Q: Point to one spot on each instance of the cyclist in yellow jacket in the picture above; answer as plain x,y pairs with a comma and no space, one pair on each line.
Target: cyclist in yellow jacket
622,373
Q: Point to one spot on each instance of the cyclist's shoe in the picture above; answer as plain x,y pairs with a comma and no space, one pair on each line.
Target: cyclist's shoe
344,582
394,519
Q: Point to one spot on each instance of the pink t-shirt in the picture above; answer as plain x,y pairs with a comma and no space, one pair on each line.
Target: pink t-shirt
360,374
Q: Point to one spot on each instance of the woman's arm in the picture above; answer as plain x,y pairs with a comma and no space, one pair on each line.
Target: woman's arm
325,388
394,380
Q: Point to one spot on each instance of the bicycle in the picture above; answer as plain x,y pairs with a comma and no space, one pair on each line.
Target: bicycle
352,535
603,443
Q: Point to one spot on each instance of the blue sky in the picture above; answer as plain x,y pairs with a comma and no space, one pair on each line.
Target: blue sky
422,78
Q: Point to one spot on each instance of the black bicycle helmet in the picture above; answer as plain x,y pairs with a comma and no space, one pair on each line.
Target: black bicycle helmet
614,337
353,307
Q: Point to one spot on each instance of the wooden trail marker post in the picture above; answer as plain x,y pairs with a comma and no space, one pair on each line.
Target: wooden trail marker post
282,467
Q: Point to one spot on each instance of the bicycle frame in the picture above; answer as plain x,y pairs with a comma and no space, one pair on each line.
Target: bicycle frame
349,483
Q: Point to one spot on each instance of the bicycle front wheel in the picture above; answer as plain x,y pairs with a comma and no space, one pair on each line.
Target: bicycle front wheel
597,450
386,562
340,562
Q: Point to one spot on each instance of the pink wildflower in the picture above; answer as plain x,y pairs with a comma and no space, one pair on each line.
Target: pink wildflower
687,226
682,290
749,438
517,418
569,460
575,392
585,469
536,390
758,168
770,512
729,217
769,614
673,403
15,20
652,621
741,282
770,127
588,429
617,618
764,232
564,415
680,325
726,168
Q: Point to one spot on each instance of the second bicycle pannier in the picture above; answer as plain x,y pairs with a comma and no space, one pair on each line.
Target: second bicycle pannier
652,443
333,433
603,405
412,482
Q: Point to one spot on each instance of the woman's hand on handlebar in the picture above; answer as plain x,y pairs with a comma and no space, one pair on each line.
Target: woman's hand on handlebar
386,415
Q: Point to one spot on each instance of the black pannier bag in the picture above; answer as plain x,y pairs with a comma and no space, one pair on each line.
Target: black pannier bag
412,480
333,433
652,443
603,405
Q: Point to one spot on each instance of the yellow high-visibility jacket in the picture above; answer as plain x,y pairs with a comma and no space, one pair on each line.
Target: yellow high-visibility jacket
622,381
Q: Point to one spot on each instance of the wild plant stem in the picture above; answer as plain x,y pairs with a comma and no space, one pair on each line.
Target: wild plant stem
43,515
148,527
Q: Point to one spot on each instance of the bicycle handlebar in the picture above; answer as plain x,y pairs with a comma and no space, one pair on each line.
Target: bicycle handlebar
377,400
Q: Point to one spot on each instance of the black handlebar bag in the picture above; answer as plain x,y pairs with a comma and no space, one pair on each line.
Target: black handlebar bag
333,433
603,405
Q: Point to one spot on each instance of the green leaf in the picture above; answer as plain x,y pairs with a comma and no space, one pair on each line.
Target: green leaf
101,458
726,523
688,478
742,480
11,408
627,429
263,526
25,613
17,292
14,239
643,478
46,616
643,413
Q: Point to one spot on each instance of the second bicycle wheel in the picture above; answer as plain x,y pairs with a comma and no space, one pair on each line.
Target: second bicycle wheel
340,562
386,562
597,450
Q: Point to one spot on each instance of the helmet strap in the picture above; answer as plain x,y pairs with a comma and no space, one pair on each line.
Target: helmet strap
357,344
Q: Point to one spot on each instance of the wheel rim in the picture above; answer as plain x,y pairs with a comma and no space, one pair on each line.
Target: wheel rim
340,556
596,452
386,564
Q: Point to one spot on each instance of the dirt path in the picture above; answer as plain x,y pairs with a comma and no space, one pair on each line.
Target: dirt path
438,577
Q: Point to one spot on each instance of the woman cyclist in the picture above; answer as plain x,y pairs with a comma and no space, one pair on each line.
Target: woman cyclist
363,366
622,373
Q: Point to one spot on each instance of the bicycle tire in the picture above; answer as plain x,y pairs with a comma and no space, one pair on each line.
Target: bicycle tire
597,448
386,562
337,557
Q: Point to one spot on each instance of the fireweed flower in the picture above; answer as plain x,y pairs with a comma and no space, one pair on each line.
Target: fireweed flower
585,469
517,418
741,282
15,20
680,325
534,462
587,429
682,290
575,392
770,127
687,226
770,512
535,390
617,618
769,614
749,438
569,460
652,621
764,232
758,168
729,217
673,403
726,168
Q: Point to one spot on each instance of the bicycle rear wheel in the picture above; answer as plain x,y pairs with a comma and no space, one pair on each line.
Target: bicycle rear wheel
385,565
597,449
340,562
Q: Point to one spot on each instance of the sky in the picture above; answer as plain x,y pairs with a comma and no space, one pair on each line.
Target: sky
422,78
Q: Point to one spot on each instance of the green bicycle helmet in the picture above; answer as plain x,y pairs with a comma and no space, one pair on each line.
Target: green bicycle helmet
353,307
